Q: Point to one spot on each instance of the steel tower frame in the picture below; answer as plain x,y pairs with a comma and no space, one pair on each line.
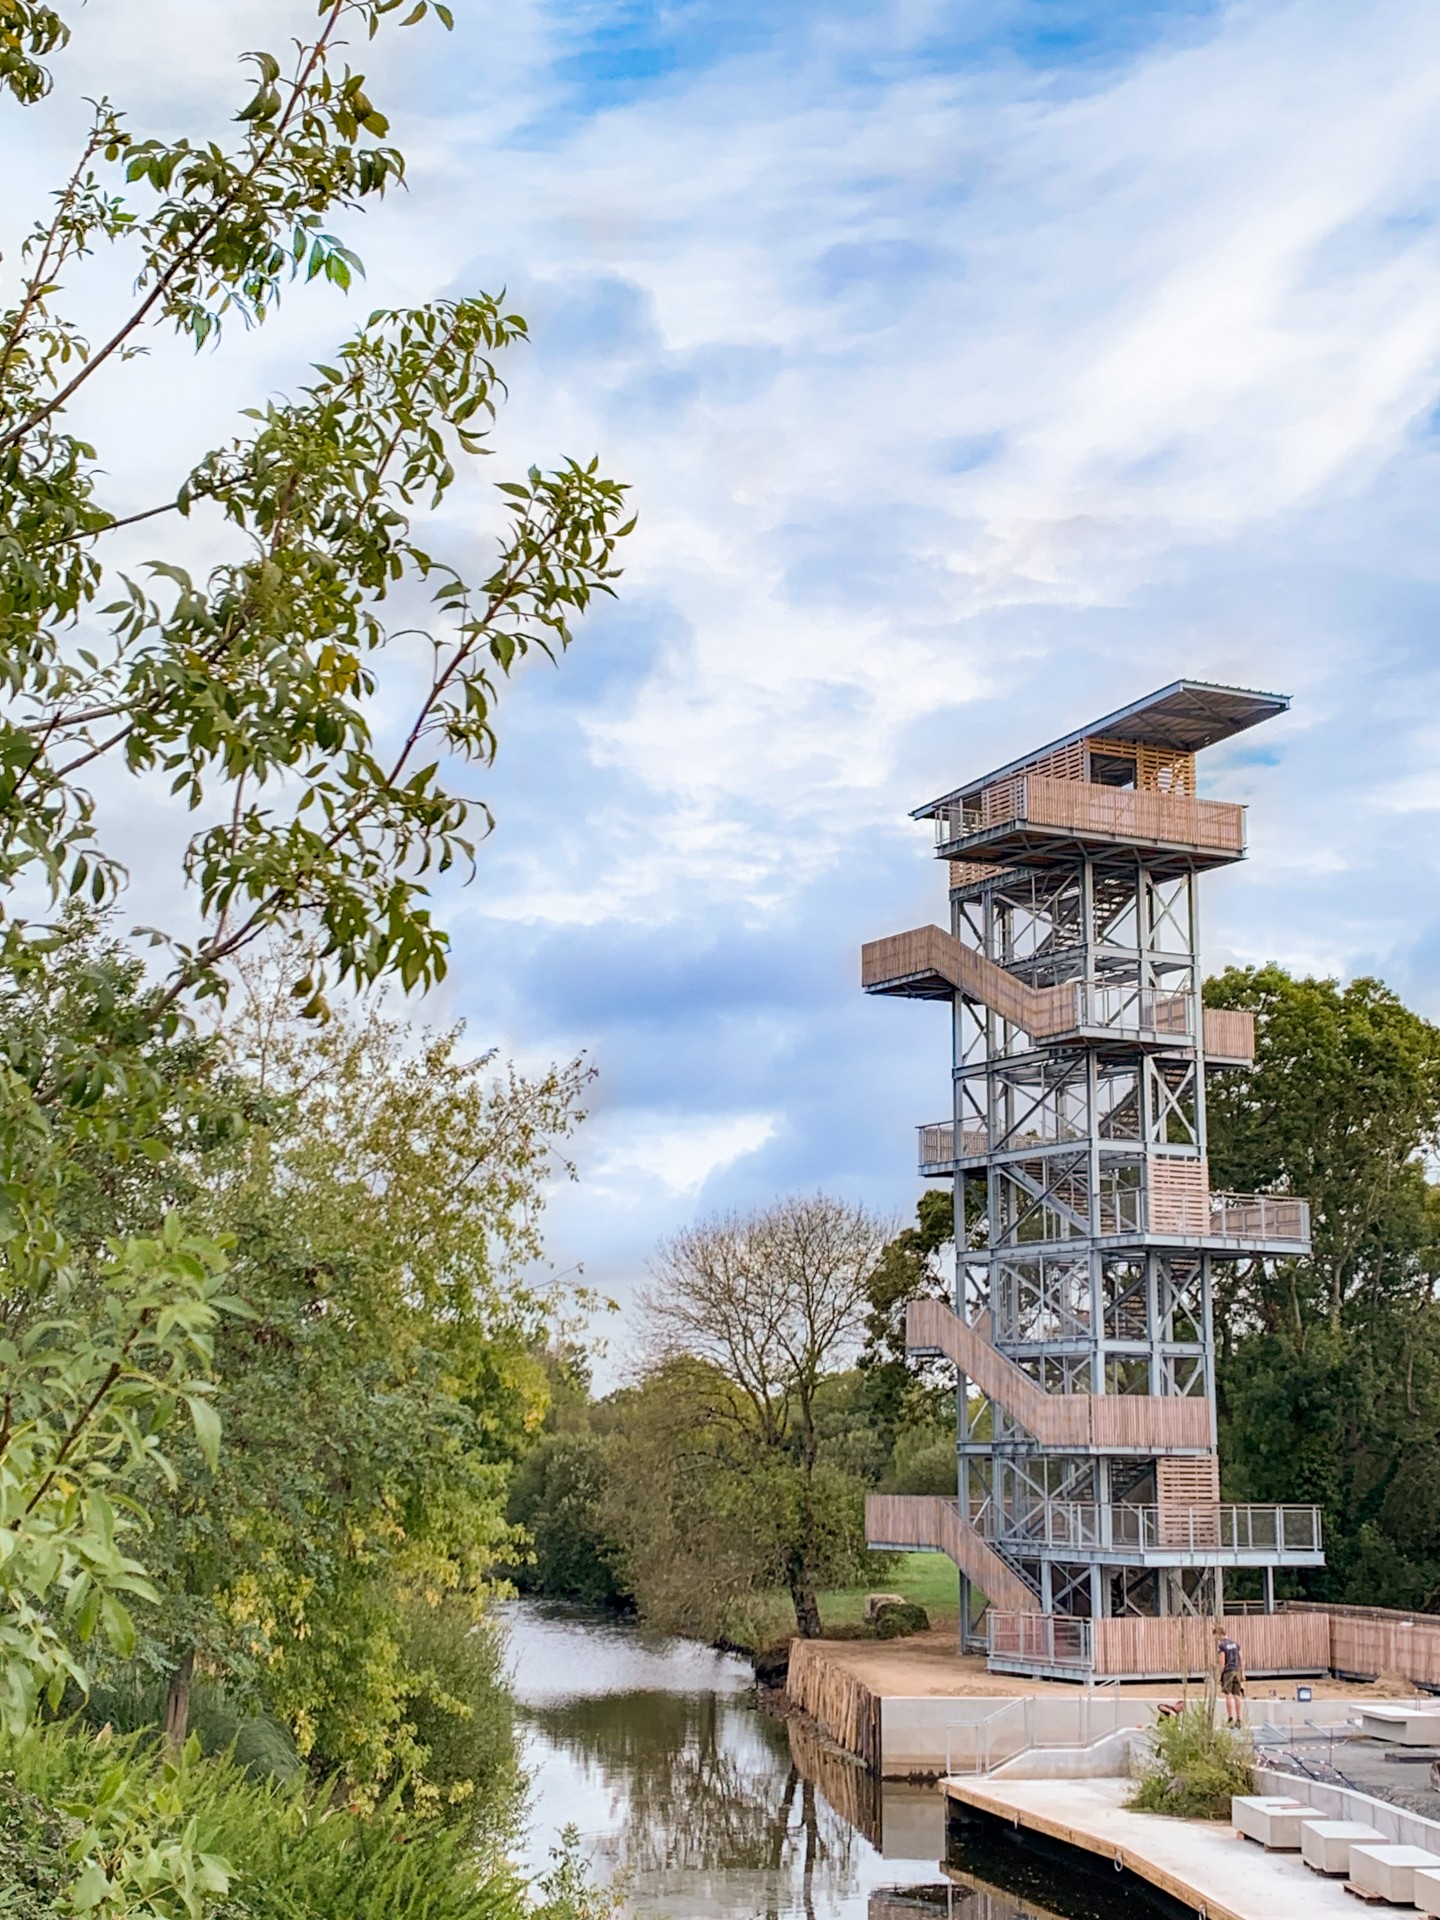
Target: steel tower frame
1081,1321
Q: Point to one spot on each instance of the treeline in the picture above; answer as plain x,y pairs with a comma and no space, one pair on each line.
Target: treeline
1329,1368
321,1533
735,1466
775,1390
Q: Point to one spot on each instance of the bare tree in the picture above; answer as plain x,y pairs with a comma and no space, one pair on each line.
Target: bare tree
773,1301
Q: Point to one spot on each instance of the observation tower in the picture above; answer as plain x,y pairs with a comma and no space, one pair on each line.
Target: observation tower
1088,1512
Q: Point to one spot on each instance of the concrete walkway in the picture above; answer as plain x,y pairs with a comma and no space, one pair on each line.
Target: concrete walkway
1201,1864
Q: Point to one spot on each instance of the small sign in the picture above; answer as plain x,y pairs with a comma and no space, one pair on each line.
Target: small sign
1302,1693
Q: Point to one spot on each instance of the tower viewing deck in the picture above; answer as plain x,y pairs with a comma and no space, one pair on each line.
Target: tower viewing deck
1081,1321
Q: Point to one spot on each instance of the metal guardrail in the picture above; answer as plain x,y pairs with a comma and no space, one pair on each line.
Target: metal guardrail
1133,1009
943,1142
1049,1639
1259,1216
1224,1528
1026,1724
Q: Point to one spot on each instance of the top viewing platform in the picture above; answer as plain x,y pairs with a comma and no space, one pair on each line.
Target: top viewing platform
1127,781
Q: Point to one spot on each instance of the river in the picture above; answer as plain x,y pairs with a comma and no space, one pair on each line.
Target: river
703,1808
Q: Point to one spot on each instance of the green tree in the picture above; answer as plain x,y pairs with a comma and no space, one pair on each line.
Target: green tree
770,1305
561,1497
1330,1367
1343,1108
274,696
898,1393
384,1379
709,1518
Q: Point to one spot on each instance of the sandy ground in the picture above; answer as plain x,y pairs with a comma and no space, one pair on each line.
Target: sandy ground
927,1663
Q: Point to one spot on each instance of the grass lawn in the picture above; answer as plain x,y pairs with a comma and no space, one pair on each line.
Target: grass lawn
930,1578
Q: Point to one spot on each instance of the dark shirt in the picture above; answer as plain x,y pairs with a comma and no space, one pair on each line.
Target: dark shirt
1229,1651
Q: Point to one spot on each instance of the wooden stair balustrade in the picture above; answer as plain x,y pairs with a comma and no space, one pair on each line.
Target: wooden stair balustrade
931,1521
1106,1422
930,951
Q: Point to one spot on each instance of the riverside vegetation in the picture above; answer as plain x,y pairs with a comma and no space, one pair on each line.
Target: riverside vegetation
265,1360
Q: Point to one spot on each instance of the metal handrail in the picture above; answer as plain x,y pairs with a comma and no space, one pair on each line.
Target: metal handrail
1057,1640
1133,1008
941,1142
1254,1528
1259,1216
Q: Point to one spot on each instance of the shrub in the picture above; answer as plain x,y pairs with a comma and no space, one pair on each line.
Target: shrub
294,1853
34,1854
252,1740
895,1619
1196,1767
463,1716
559,1495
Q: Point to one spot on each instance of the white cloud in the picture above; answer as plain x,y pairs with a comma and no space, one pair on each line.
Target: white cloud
630,1156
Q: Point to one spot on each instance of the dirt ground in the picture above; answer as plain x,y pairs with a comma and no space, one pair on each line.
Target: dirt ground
927,1663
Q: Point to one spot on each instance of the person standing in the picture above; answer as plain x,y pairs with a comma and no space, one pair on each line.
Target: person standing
1232,1676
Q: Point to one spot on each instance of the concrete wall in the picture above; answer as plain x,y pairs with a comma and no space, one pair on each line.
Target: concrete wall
1343,1803
930,1734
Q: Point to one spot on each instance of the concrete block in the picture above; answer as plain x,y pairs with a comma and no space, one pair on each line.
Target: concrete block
1402,1726
1275,1823
1427,1889
1325,1844
1389,1872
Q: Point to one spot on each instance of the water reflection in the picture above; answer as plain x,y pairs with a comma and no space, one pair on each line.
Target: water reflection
706,1809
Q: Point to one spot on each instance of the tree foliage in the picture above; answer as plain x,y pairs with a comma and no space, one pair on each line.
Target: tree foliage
273,698
757,1311
1330,1367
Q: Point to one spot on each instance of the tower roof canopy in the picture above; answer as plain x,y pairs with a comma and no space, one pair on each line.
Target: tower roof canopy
1185,716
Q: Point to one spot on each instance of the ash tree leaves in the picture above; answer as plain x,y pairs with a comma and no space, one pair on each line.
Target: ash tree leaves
254,691
273,698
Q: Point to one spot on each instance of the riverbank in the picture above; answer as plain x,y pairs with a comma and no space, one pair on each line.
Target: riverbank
701,1807
909,1708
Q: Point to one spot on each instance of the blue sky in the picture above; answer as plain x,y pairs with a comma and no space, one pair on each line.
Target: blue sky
977,368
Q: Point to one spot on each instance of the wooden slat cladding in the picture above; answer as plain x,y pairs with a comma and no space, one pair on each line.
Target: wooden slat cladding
1129,1422
1193,1480
929,1520
1157,769
1229,1033
1137,1422
1179,1197
839,1703
929,951
1187,1489
1184,1647
972,873
1377,1640
1122,813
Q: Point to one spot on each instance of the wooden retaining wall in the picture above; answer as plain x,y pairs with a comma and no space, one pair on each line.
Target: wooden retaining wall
1379,1640
851,1789
835,1700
